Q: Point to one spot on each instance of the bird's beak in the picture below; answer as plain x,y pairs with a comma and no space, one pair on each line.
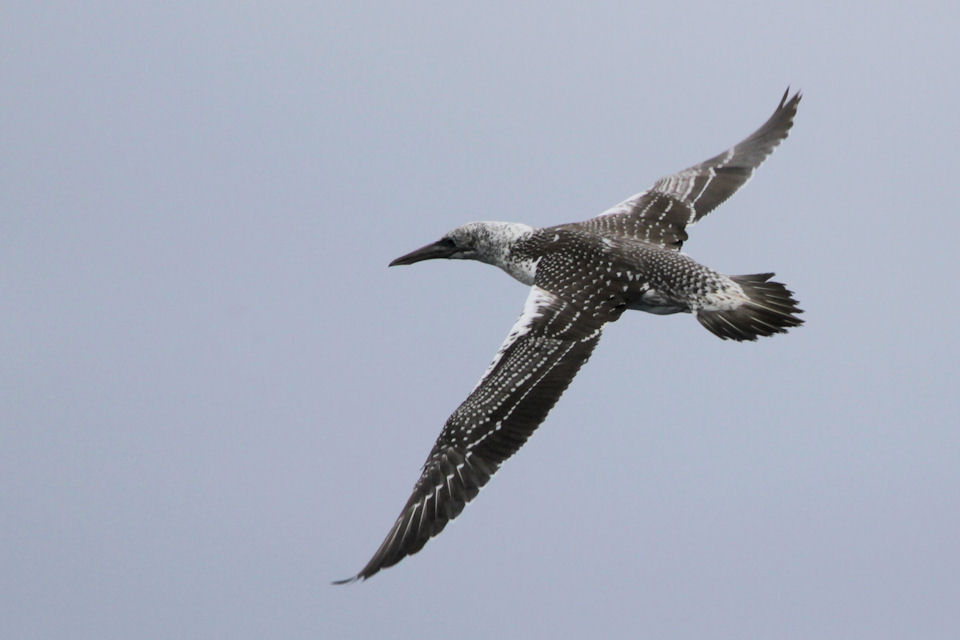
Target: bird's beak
439,249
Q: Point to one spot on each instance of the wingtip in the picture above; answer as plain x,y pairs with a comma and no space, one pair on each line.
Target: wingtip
350,580
787,99
786,110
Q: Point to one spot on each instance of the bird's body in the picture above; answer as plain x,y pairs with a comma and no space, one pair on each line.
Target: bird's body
582,276
607,273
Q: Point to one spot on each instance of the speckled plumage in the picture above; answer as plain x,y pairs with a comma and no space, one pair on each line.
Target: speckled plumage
584,275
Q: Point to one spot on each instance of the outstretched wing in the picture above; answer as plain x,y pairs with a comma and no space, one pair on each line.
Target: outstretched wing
659,215
541,355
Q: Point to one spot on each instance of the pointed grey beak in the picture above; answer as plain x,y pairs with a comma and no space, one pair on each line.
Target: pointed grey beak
439,249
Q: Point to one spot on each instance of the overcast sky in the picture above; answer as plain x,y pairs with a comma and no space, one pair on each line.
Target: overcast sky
215,397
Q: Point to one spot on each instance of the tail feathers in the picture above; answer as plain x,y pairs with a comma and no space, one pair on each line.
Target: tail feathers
769,308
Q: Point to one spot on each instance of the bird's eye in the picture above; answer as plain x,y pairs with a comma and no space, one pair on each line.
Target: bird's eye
448,242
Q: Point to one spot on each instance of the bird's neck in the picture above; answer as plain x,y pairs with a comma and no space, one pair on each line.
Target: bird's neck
500,246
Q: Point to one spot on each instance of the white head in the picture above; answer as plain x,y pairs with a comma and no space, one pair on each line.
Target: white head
489,242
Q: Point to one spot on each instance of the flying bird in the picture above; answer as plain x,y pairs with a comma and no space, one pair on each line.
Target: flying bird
583,275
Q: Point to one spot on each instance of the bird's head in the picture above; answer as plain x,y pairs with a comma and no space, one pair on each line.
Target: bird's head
488,242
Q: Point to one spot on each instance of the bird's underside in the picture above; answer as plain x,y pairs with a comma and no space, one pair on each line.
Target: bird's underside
584,275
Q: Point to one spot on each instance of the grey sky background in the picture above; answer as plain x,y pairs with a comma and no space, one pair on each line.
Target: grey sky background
215,397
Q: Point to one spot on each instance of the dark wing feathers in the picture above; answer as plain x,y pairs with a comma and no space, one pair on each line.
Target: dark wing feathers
659,215
541,355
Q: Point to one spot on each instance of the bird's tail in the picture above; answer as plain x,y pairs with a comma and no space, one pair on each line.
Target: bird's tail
768,308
